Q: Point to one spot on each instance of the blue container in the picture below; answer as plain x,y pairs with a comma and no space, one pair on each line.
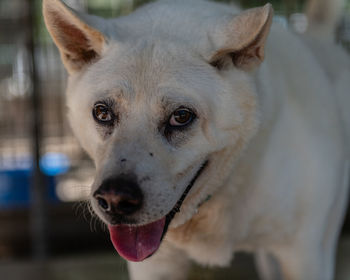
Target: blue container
16,179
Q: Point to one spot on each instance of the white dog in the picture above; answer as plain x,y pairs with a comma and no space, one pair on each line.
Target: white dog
200,148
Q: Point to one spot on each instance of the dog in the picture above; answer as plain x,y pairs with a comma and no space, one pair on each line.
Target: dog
213,131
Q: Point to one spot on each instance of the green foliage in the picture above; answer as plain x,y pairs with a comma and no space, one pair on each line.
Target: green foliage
138,3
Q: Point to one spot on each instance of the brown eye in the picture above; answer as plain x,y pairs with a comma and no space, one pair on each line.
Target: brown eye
103,114
181,117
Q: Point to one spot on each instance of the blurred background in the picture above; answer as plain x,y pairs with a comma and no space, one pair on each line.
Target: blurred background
46,229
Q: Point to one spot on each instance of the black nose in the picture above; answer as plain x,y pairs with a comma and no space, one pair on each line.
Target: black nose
119,196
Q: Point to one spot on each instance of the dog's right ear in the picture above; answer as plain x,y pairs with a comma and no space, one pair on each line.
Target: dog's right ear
78,43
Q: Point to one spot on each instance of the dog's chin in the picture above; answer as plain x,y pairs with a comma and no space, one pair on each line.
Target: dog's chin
136,243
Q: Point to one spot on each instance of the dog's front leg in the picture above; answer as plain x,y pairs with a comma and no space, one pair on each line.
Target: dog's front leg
267,266
306,262
167,263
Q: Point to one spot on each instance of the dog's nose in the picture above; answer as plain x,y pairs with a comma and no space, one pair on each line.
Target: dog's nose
119,196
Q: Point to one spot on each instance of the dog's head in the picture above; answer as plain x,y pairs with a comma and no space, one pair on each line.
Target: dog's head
163,115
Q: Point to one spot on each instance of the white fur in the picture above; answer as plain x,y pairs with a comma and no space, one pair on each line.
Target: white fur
276,138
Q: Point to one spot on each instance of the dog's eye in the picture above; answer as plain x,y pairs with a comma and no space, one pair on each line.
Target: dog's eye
103,114
181,117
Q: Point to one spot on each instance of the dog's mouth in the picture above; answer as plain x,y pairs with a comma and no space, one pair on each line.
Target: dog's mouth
136,243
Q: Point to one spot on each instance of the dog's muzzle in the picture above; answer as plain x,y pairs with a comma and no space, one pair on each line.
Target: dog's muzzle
120,197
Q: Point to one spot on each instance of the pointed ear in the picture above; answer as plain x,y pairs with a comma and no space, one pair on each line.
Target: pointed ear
78,43
241,40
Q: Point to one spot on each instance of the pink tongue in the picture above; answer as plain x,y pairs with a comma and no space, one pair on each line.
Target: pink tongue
135,243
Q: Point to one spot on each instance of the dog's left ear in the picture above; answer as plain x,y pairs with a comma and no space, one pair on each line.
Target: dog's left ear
241,40
79,44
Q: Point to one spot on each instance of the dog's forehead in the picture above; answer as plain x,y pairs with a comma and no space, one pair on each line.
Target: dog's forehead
149,69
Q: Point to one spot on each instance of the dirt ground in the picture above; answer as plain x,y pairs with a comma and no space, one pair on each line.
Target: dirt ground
108,266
